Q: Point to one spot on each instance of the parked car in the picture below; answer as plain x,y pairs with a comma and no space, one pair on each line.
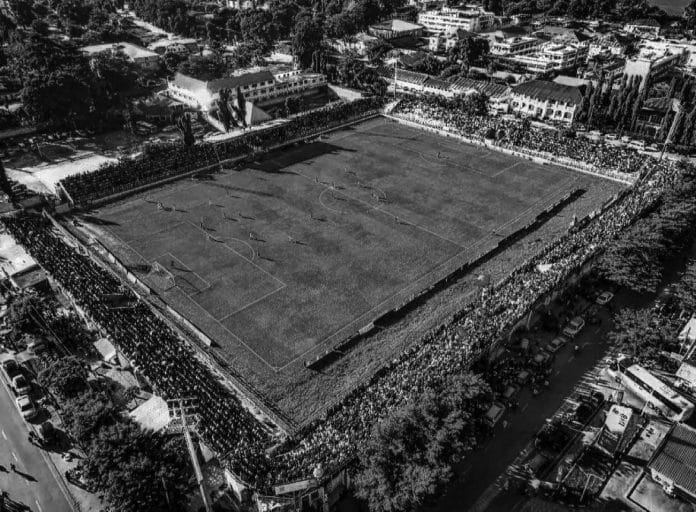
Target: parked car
556,344
20,385
26,407
604,298
534,465
574,327
11,368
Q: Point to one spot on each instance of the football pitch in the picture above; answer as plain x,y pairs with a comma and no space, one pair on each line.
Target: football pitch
285,257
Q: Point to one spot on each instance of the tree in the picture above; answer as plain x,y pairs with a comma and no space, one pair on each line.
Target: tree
257,25
61,97
137,470
638,333
469,51
84,414
240,109
306,39
690,15
203,68
183,123
22,9
66,377
223,105
409,454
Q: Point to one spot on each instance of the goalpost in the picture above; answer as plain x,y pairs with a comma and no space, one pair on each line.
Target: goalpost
161,277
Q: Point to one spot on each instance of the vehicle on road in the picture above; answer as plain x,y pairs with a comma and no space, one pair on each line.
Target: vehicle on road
20,385
556,344
27,407
494,413
604,298
574,327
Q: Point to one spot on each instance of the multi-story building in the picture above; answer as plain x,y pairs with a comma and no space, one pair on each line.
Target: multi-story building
515,46
142,57
546,100
645,27
258,85
395,29
448,20
550,57
653,64
359,43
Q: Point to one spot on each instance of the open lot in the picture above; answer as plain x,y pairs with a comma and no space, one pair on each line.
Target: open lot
285,257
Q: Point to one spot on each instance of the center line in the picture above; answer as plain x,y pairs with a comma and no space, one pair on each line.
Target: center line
15,456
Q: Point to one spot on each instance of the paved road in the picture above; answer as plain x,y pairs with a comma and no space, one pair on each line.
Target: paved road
480,476
33,484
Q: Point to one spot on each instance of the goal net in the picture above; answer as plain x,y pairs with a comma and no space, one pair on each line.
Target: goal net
161,277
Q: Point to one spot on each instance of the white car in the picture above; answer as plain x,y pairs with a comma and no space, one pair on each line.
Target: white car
574,327
26,407
604,298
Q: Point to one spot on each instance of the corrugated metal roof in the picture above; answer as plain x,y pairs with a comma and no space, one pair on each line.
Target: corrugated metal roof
490,89
230,82
676,459
544,90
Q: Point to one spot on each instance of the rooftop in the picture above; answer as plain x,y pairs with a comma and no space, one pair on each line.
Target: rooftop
241,79
129,49
397,26
676,458
490,89
544,90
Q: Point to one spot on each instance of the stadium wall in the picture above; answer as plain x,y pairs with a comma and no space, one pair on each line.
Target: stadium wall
535,156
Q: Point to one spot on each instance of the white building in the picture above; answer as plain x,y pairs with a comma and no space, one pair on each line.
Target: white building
515,46
645,27
138,55
181,45
258,85
653,63
546,100
359,43
684,46
551,56
448,20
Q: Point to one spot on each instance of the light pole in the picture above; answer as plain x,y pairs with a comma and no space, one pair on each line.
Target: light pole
180,408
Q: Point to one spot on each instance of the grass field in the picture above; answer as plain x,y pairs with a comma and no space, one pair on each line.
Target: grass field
287,256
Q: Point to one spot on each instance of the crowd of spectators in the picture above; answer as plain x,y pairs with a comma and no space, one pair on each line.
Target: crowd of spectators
335,440
519,135
167,160
149,343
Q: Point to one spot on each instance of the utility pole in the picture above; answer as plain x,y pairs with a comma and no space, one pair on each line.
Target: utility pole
675,122
395,79
178,408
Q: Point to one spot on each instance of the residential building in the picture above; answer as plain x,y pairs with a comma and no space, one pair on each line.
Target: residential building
181,45
644,27
684,46
546,100
515,46
652,114
259,86
549,57
140,56
608,46
395,29
673,464
359,43
448,20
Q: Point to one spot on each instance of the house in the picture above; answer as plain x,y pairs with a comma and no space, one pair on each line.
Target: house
643,27
673,464
652,114
180,45
448,20
546,100
138,55
359,43
395,29
158,110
